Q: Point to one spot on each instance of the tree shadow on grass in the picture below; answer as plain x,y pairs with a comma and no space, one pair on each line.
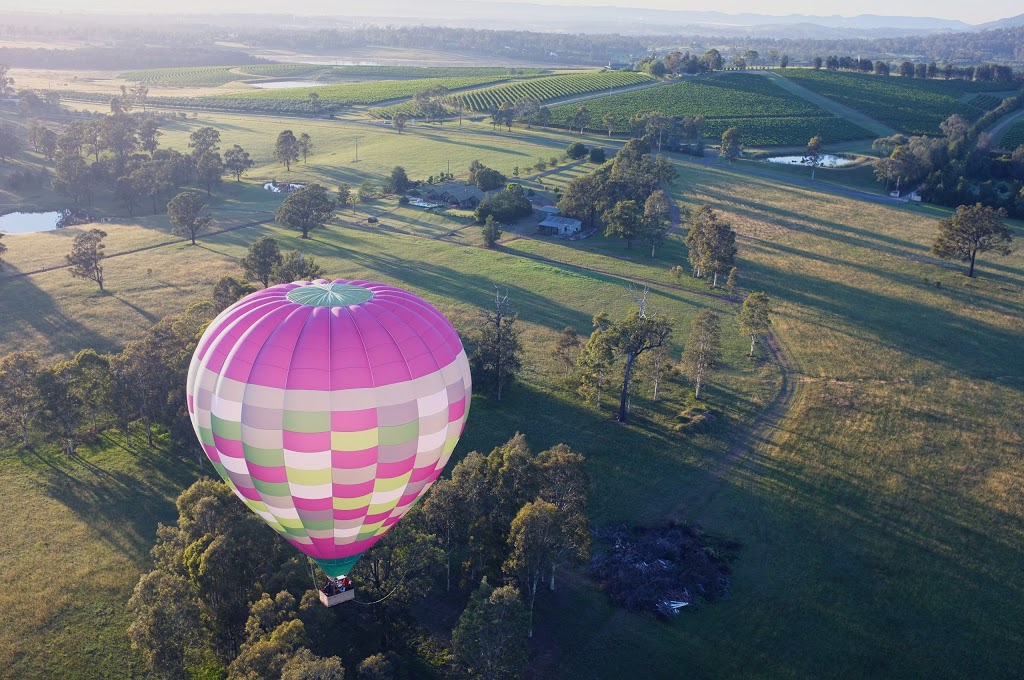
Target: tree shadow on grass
23,303
121,502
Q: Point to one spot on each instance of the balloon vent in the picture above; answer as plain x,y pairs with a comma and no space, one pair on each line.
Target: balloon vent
330,295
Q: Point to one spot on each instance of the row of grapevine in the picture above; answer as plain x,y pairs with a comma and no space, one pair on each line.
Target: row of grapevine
985,102
198,76
550,88
1013,137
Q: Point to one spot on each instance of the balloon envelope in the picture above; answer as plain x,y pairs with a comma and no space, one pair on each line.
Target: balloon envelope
329,408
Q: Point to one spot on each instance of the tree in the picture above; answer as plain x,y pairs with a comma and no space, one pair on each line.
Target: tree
149,131
209,169
496,362
261,259
6,81
344,196
86,256
228,290
307,666
491,231
60,407
971,230
534,539
128,190
581,118
188,215
3,248
755,317
399,121
204,140
595,360
314,102
237,161
305,145
376,667
566,350
398,182
576,151
712,60
703,348
732,143
491,637
286,149
165,624
19,392
267,656
296,266
711,243
489,179
784,61
444,512
814,153
72,178
816,63
597,155
629,338
655,225
610,121
624,220
307,209
732,283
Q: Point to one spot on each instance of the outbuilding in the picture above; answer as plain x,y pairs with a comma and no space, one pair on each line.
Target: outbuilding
560,226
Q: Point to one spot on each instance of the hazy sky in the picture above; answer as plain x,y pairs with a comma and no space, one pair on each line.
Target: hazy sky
970,12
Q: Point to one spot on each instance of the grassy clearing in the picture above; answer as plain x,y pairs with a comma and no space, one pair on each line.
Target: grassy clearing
880,520
909,105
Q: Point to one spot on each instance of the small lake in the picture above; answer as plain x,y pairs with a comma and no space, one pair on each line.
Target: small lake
285,84
828,160
33,222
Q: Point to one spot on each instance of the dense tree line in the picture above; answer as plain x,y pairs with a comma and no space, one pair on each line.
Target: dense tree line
228,596
626,194
958,168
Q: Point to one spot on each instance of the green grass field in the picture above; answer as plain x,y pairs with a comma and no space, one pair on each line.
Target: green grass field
767,114
909,105
881,518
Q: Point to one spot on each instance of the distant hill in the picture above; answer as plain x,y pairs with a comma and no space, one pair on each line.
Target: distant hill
1009,22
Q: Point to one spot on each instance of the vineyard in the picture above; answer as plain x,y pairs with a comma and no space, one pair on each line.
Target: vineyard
909,105
370,92
550,88
214,76
985,102
199,76
1013,137
767,114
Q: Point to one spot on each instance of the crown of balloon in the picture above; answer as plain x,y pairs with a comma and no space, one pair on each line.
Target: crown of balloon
330,295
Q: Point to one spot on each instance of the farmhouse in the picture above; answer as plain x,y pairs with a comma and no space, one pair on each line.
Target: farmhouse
465,196
561,226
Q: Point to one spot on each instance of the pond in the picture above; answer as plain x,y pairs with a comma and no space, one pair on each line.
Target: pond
828,160
283,84
32,222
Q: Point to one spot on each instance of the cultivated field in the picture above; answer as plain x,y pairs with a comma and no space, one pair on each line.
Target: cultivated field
767,114
551,88
909,105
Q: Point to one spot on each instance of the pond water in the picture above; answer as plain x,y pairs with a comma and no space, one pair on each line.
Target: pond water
828,160
283,84
32,222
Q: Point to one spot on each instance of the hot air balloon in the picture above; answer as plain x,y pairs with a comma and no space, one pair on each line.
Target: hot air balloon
329,408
